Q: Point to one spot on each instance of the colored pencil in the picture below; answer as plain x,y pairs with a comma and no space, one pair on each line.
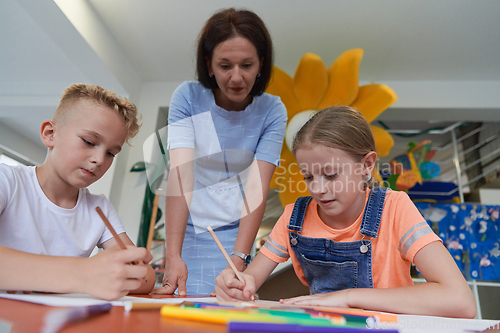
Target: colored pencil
293,314
351,315
225,316
380,316
355,314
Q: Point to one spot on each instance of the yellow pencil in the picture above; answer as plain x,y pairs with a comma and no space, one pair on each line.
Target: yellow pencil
229,261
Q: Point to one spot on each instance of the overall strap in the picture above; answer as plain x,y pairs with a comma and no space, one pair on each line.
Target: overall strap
373,212
298,213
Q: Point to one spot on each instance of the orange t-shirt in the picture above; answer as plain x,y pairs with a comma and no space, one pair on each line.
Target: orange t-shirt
402,233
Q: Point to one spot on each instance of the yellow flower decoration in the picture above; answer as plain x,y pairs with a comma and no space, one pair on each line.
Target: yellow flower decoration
314,88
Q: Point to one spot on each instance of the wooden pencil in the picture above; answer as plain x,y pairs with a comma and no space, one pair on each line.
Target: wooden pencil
113,231
110,227
229,261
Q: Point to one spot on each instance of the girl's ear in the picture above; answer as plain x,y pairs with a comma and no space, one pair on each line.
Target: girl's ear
47,130
369,162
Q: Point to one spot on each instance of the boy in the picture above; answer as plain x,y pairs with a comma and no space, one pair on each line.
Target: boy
48,222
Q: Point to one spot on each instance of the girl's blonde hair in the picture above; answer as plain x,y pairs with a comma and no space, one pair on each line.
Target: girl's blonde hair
125,109
339,127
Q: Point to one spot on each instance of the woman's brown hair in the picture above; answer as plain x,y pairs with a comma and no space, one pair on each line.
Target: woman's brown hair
227,24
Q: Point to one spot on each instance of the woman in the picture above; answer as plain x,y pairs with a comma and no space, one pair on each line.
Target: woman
225,137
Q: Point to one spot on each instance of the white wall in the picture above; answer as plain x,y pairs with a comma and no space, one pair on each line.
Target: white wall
445,94
133,184
15,142
489,196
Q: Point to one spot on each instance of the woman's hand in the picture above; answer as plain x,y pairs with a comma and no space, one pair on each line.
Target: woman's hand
175,277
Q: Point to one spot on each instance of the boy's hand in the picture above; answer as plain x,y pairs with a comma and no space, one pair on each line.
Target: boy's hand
229,288
109,274
175,277
148,283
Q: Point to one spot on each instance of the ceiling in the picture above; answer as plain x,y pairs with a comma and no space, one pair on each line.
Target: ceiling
403,40
121,44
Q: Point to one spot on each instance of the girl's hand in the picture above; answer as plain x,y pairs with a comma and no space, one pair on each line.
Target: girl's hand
229,288
336,298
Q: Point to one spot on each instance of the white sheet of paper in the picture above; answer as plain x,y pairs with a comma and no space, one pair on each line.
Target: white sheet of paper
86,300
131,299
429,324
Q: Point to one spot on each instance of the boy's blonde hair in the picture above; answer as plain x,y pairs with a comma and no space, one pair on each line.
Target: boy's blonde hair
103,97
339,127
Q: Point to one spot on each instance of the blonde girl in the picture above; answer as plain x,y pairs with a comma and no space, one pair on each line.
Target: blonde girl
350,242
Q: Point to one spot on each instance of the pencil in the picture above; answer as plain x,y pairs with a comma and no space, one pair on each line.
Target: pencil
110,227
128,306
113,232
229,261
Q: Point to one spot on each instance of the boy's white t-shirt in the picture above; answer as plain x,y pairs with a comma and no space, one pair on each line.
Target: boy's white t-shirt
30,222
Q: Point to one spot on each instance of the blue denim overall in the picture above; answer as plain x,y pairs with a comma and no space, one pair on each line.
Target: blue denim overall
328,265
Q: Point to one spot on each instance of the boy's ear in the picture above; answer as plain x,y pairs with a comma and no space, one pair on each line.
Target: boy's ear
47,130
369,162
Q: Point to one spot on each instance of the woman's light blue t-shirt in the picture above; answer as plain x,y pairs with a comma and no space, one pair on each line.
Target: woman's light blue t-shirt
225,144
